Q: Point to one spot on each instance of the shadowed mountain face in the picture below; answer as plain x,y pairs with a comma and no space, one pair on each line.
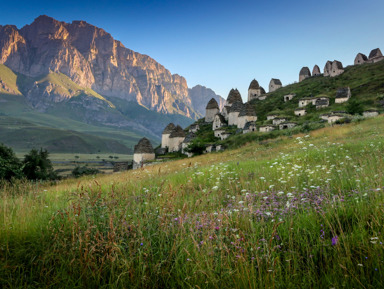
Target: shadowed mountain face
92,59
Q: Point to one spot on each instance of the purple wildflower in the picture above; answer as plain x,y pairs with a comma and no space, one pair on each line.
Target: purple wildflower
335,240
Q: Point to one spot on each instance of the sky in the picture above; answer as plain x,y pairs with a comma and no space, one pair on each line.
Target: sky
225,44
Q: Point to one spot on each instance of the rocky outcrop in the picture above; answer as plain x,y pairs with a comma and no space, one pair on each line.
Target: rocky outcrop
92,59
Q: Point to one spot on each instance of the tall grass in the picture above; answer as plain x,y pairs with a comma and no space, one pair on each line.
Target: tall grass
299,212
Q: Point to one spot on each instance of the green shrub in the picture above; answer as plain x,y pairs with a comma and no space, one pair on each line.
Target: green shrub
83,171
10,166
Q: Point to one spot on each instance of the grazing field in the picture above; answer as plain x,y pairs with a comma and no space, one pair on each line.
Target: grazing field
294,212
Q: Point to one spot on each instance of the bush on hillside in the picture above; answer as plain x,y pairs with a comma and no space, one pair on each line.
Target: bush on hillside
37,166
196,147
84,171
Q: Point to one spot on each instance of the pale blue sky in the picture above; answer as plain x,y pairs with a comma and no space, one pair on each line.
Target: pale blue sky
225,44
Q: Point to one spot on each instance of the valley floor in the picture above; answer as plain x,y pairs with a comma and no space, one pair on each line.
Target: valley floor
295,212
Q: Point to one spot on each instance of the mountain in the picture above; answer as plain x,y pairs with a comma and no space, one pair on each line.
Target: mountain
78,71
200,95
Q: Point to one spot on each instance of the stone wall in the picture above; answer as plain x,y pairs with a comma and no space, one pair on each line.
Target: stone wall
233,118
175,144
210,114
140,159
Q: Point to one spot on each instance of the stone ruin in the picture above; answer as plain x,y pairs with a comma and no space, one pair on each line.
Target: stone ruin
211,110
343,94
143,152
234,112
247,114
375,55
255,90
274,84
304,73
165,135
176,138
360,59
316,71
333,69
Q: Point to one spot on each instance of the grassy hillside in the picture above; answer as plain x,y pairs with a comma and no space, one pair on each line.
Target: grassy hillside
293,212
365,81
23,136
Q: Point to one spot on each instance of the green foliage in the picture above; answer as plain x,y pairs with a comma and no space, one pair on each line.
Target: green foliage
354,107
37,166
10,166
83,171
196,147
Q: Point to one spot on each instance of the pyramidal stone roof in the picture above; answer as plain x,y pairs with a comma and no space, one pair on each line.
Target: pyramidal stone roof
276,81
338,64
177,132
212,104
363,56
169,128
305,71
236,107
375,53
316,70
234,96
254,84
144,146
262,90
247,110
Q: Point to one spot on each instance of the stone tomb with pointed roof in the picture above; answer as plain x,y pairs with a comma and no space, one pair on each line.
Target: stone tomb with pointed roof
375,55
328,68
234,96
274,84
247,114
234,112
360,59
316,71
304,73
337,68
255,90
143,152
211,110
343,94
175,139
165,135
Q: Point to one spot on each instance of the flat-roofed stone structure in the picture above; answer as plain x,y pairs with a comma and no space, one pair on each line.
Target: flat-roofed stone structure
274,84
360,59
218,132
194,128
300,112
165,135
278,120
272,116
321,102
247,114
287,125
304,73
343,94
370,113
142,153
289,97
211,110
175,139
316,71
266,128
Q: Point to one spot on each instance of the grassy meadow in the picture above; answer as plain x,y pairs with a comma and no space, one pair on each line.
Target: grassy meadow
304,211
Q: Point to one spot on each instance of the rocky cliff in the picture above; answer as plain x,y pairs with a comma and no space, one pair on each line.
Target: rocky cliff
92,59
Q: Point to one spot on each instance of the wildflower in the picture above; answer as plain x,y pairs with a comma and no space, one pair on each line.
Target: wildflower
141,244
335,240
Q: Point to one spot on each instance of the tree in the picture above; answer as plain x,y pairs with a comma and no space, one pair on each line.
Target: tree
196,147
354,107
37,166
10,166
